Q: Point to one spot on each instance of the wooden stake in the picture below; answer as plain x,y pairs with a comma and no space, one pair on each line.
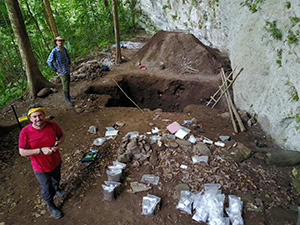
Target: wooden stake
235,112
228,104
128,96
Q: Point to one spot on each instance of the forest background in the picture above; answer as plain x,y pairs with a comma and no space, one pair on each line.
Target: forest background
86,25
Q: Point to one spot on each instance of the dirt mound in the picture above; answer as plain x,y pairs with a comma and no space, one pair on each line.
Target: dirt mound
180,52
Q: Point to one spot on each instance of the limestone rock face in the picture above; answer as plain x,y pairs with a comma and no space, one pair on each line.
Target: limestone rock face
259,41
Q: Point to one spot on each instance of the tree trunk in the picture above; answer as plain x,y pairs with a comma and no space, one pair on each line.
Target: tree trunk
35,79
117,35
37,25
50,19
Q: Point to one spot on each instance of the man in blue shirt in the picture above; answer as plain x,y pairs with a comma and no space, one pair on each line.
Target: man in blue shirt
60,56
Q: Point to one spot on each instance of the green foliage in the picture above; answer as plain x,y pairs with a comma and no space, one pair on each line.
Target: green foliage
174,16
294,20
165,7
271,27
279,59
87,26
279,62
297,117
253,5
288,5
10,92
295,96
196,2
292,37
293,91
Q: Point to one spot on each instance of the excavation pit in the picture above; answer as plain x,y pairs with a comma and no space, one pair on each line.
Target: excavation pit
170,95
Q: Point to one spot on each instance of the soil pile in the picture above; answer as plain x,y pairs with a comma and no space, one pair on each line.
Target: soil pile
180,52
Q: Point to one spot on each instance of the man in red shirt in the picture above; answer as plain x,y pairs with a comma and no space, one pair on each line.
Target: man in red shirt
39,140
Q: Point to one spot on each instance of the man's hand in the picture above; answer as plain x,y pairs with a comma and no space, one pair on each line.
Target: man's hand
47,150
54,149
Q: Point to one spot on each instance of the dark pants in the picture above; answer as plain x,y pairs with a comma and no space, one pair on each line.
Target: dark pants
49,182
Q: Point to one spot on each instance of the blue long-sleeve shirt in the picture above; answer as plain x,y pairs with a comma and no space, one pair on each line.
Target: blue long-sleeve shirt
61,60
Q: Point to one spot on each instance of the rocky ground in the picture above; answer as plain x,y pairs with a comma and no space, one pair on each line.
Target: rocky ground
164,92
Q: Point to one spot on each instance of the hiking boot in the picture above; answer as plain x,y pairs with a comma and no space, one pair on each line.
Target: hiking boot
55,212
67,96
60,193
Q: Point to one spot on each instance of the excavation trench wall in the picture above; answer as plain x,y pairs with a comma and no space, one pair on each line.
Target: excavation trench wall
150,92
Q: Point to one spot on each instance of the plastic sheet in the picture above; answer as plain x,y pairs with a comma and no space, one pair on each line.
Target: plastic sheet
201,215
150,179
186,201
132,45
111,133
198,200
234,210
197,159
119,164
155,138
219,221
215,205
212,188
132,134
210,205
149,204
99,141
114,175
192,139
92,129
109,189
182,132
155,130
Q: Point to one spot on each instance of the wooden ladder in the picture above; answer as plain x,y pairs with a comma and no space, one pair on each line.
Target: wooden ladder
223,88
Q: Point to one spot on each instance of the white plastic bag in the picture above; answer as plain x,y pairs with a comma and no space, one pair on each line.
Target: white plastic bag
149,204
234,210
186,201
99,141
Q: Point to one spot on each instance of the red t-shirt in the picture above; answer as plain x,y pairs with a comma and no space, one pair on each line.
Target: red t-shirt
31,138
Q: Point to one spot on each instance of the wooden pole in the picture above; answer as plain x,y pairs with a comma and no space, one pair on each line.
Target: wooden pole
235,112
117,35
212,98
228,86
222,74
127,96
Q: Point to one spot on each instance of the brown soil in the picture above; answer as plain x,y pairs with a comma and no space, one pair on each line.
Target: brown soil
175,93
